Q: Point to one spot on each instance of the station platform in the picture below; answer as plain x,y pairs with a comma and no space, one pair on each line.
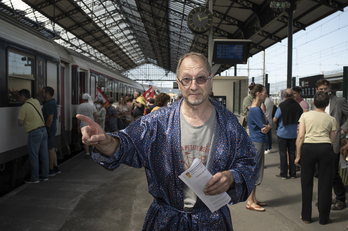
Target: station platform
86,197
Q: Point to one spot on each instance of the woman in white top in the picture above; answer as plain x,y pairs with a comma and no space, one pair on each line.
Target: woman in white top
314,145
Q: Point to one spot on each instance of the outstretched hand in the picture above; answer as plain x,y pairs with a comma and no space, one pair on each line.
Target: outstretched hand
219,183
94,135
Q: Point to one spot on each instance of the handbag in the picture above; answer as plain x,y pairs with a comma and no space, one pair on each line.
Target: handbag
47,128
242,121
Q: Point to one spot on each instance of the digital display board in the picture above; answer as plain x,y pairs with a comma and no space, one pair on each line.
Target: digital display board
231,51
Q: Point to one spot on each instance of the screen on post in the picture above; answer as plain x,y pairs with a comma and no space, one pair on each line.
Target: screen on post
231,51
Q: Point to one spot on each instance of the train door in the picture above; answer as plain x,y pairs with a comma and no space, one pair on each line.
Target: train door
62,97
124,90
53,81
65,136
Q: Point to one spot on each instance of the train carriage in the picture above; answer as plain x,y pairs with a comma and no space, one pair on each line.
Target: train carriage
30,60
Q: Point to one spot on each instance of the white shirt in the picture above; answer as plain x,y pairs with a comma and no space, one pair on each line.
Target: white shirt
327,109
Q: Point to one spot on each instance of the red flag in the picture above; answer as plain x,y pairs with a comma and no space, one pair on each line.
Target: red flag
152,95
101,96
146,94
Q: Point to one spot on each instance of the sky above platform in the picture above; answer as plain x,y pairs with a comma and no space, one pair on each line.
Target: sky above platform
320,49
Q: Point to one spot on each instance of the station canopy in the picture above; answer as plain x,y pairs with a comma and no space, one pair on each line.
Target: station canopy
125,34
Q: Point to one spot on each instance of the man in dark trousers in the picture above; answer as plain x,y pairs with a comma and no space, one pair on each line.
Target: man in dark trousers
338,108
50,112
287,116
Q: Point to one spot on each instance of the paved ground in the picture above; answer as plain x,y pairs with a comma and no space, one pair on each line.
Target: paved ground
87,197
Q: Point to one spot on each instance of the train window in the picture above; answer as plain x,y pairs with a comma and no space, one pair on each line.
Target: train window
124,90
20,73
109,91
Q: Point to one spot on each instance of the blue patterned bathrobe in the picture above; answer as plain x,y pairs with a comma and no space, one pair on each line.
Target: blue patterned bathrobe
153,142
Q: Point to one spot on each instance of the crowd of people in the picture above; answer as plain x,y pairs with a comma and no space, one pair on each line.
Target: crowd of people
113,118
310,139
39,115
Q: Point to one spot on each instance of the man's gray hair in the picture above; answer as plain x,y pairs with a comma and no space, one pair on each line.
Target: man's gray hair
137,92
288,93
193,55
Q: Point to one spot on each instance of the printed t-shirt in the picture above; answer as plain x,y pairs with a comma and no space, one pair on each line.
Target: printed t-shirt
318,126
195,143
29,115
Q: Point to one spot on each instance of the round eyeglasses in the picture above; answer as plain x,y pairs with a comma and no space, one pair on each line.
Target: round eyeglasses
199,80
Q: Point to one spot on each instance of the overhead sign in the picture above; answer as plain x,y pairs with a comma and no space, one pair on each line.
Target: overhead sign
280,4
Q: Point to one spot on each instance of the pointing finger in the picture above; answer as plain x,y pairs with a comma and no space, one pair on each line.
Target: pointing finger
85,119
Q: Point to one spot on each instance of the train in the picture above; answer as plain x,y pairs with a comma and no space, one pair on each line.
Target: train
32,61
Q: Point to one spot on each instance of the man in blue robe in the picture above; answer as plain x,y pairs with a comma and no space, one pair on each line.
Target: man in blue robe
155,142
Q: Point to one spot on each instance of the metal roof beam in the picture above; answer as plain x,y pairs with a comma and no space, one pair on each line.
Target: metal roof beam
186,39
331,3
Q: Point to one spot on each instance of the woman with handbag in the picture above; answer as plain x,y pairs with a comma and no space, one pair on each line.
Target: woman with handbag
258,128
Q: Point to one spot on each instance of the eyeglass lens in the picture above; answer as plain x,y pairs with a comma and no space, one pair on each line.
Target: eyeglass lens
199,80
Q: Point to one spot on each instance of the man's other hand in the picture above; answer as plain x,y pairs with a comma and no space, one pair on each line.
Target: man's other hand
219,183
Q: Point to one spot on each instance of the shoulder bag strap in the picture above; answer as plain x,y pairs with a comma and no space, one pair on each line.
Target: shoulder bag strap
37,112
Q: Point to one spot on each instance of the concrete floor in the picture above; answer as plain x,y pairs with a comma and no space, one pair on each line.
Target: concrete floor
87,197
